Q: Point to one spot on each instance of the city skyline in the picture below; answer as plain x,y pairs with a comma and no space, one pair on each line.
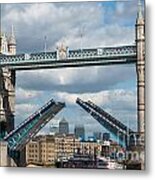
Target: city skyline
117,95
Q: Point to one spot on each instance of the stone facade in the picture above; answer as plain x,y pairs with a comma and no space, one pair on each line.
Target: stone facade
7,97
5,161
7,85
45,150
8,44
48,149
3,154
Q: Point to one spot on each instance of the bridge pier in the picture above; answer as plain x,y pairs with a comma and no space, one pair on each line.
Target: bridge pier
7,108
7,100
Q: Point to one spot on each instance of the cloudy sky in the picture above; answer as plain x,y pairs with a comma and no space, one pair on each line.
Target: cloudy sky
91,24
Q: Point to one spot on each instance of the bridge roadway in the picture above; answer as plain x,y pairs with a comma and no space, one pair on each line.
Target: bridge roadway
114,126
24,132
73,58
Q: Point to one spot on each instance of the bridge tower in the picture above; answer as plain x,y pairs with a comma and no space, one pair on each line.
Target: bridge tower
140,68
7,91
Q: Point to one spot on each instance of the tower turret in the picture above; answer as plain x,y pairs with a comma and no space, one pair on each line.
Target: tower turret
140,68
3,44
12,43
140,44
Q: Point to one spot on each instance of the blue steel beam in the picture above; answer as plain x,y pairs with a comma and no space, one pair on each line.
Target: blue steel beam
110,117
114,126
74,58
19,137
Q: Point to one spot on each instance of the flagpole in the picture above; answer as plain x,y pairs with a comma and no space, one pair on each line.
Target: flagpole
45,46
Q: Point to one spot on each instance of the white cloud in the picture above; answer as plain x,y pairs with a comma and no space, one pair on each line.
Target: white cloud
61,77
23,111
28,108
26,95
100,98
59,21
90,79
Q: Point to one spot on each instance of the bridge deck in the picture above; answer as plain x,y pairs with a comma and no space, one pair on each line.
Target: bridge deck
73,58
114,126
26,130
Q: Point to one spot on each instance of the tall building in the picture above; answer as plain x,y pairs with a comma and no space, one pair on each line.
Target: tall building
63,127
8,43
79,132
97,135
106,136
54,129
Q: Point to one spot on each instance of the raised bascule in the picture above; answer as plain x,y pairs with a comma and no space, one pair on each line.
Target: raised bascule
24,132
10,62
114,126
126,137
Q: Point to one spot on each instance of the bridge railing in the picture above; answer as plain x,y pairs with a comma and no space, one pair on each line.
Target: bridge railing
113,125
105,122
109,116
98,115
34,115
83,54
26,130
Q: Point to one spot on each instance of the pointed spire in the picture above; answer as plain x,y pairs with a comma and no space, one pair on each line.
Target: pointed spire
139,13
12,39
12,31
63,120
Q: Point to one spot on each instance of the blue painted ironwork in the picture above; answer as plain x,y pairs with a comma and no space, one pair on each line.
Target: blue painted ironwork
110,117
117,128
19,137
74,58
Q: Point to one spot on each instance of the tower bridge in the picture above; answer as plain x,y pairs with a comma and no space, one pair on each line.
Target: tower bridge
62,58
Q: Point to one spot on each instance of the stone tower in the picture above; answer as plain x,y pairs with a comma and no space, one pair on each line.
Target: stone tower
140,44
3,44
7,88
140,68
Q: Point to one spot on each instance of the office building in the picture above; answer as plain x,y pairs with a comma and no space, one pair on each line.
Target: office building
63,127
79,132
